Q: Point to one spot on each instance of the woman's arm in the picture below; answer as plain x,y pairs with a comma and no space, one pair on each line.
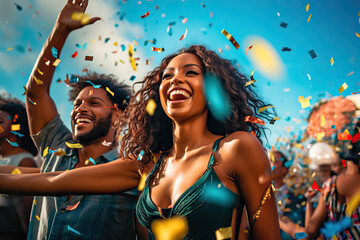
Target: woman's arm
117,176
290,227
314,219
250,162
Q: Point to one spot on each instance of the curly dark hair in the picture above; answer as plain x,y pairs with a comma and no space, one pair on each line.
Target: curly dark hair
154,133
14,107
122,92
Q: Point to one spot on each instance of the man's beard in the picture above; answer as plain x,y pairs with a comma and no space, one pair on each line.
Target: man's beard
100,129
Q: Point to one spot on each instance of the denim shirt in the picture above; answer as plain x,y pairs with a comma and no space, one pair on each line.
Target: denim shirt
96,216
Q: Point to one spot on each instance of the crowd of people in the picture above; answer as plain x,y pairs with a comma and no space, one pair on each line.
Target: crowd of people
213,173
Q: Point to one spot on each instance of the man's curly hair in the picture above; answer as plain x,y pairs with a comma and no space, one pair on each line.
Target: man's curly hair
154,133
122,92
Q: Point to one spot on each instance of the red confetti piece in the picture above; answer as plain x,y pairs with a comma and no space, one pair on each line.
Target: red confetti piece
75,54
344,136
356,138
155,49
145,15
183,36
343,162
254,120
184,20
316,186
89,58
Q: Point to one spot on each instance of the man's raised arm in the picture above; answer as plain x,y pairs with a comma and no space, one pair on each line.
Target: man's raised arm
40,107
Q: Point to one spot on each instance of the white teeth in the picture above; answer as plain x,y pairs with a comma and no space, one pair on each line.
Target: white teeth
79,120
182,92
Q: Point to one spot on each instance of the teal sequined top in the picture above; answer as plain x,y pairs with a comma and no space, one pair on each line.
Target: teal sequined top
207,205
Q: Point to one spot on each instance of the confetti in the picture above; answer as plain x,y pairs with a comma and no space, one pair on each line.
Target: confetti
108,89
283,25
331,61
248,49
81,17
73,230
344,136
305,103
37,217
73,145
155,49
312,54
14,144
75,54
106,40
15,127
343,87
358,35
184,20
9,49
150,107
45,152
343,162
183,36
54,52
217,99
16,171
145,15
174,228
300,235
91,160
94,85
223,233
31,101
123,47
132,78
89,58
202,4
231,38
316,186
40,72
105,143
142,182
350,73
356,137
286,49
309,18
322,121
249,82
72,207
307,7
56,62
274,119
331,228
308,76
264,108
254,120
18,7
60,152
38,81
278,14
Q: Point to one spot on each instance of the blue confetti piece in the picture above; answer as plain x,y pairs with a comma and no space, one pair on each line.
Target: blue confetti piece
272,168
141,155
18,7
333,126
116,25
54,52
73,230
78,45
300,235
169,30
14,144
132,78
94,85
17,134
122,47
217,99
85,46
92,160
288,163
107,39
331,228
171,23
73,79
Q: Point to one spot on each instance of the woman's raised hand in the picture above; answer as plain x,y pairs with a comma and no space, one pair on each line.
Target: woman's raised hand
73,16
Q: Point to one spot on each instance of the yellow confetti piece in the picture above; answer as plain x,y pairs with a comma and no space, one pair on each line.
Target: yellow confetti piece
81,17
307,7
35,202
136,43
231,38
108,89
86,162
40,72
9,49
38,82
305,103
331,61
150,107
358,35
60,152
320,136
45,152
16,171
142,182
300,99
322,121
73,145
1,129
298,145
174,228
15,127
25,90
272,157
223,233
343,87
249,82
31,101
56,62
37,217
309,18
264,108
353,204
279,203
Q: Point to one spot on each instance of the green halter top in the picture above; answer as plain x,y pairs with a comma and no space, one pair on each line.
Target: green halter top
207,205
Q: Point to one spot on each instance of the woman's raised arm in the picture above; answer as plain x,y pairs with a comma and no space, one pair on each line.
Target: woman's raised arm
117,176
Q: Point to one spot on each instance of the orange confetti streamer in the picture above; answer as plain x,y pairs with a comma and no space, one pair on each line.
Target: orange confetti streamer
145,15
309,18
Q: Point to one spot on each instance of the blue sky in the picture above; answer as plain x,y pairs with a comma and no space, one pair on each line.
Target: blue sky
331,32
